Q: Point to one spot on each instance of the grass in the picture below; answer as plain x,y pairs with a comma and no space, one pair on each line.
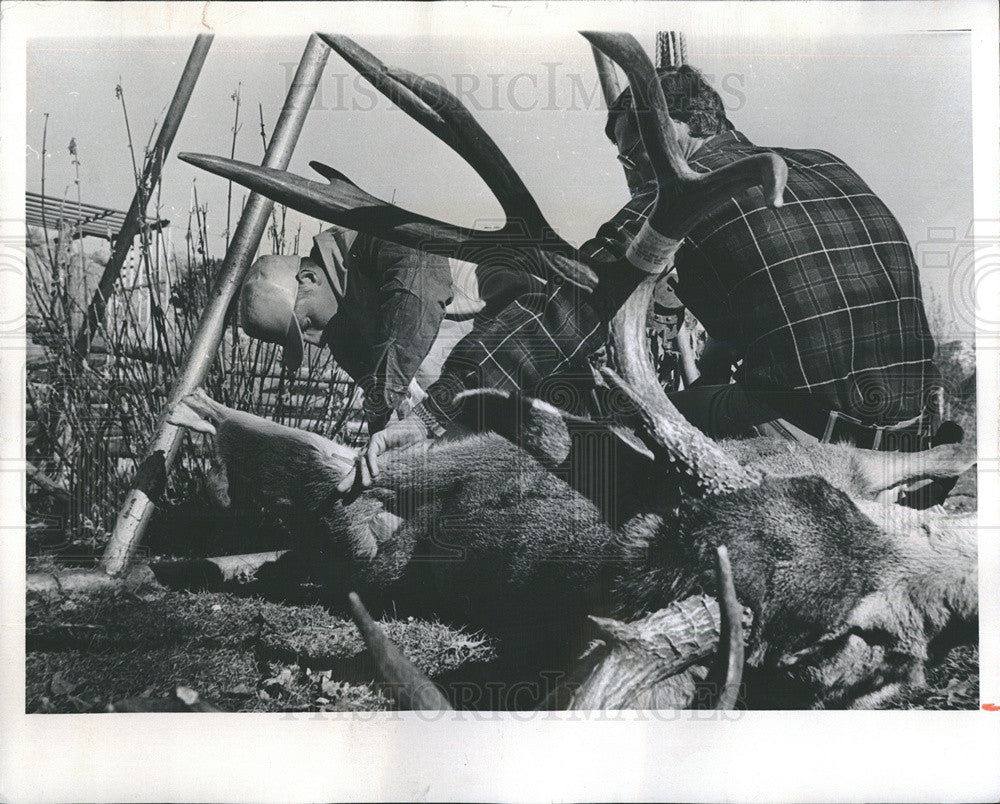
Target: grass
242,653
247,654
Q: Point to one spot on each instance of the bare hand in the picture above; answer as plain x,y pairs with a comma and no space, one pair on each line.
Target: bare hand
397,435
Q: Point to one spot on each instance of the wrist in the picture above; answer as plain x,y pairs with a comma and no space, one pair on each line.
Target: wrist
650,251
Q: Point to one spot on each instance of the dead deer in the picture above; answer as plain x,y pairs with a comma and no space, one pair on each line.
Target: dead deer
513,534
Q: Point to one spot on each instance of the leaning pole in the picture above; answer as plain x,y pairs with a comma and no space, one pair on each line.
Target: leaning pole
144,191
151,476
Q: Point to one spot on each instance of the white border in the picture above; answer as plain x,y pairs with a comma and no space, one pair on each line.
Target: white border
877,756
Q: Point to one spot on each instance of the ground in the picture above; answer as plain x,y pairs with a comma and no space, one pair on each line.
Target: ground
242,653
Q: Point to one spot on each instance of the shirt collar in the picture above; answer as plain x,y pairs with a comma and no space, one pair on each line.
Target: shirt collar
724,139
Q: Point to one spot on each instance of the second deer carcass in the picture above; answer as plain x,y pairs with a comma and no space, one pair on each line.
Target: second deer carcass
512,534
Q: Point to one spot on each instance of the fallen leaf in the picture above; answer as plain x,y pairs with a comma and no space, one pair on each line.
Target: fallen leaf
58,685
283,679
956,690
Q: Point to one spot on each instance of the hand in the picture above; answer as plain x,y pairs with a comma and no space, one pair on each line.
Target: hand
398,434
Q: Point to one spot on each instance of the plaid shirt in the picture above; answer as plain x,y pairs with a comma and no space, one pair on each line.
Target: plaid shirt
821,295
541,343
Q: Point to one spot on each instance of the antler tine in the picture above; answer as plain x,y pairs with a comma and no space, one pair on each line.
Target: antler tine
685,447
731,632
696,194
344,203
411,688
371,68
470,141
341,202
655,126
444,115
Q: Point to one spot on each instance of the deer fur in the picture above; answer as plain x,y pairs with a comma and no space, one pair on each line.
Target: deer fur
847,595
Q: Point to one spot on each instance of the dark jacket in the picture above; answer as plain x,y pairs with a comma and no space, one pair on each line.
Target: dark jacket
392,301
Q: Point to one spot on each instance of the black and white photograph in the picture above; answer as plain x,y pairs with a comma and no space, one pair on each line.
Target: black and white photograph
509,402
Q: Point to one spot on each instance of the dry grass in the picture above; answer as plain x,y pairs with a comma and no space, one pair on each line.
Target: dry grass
242,653
90,420
247,654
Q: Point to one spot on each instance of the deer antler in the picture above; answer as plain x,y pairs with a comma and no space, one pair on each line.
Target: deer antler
443,114
440,112
411,688
697,194
684,197
731,636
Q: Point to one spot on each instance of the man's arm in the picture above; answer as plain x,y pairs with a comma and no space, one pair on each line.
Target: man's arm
414,289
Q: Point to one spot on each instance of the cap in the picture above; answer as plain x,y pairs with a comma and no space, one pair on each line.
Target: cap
267,305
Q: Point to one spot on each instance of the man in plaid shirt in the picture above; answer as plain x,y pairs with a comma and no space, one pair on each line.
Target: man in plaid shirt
820,298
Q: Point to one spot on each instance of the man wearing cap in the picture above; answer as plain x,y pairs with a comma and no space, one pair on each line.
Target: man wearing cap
819,299
387,313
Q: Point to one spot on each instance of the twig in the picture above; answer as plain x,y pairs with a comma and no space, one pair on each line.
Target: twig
232,155
45,225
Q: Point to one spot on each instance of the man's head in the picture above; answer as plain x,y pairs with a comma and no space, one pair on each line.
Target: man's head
267,305
694,106
287,300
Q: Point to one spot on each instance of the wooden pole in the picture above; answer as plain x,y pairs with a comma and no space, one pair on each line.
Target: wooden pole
192,573
147,183
151,476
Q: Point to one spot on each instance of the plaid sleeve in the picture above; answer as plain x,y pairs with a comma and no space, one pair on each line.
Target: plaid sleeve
613,238
414,289
537,335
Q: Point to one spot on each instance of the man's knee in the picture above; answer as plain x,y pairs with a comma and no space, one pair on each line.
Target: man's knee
721,411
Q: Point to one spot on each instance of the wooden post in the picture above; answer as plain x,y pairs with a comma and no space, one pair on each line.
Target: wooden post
151,476
137,210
